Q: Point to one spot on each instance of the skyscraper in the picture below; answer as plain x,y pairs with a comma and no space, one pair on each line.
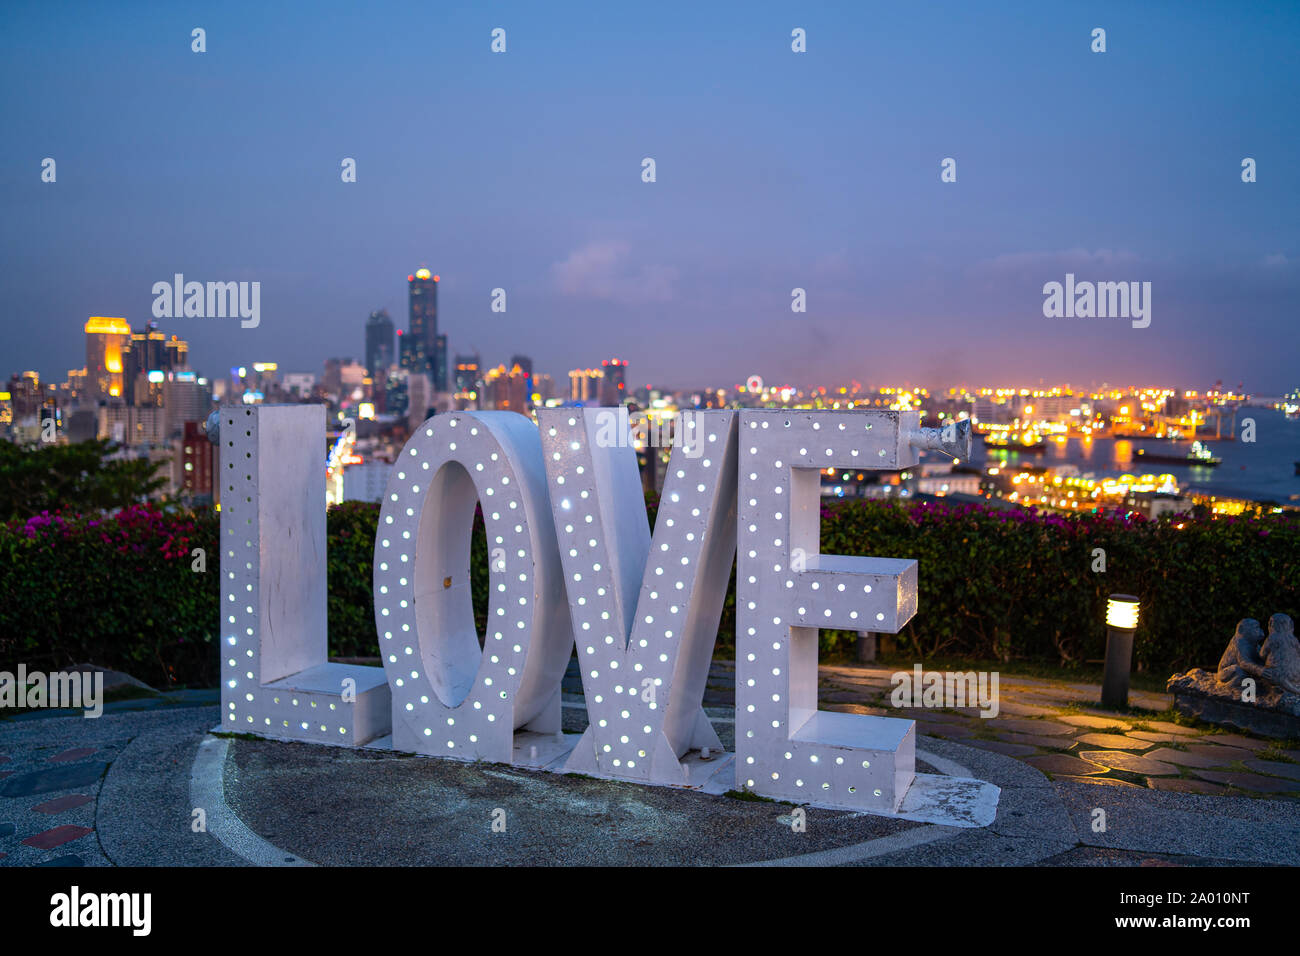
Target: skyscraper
507,389
107,340
468,368
427,350
525,365
145,356
176,354
379,342
613,387
584,384
438,363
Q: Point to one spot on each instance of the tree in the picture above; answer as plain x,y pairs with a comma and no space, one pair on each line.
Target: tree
81,477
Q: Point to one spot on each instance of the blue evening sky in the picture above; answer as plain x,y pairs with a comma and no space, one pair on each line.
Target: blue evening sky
775,170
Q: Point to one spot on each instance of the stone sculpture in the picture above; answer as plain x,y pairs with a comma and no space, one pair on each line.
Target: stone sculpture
1256,686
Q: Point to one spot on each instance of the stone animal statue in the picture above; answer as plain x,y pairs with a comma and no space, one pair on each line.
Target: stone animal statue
1242,658
1281,653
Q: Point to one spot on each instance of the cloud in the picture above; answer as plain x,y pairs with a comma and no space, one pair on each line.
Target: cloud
1276,259
605,270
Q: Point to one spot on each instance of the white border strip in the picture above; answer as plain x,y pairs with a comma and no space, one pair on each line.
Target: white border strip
208,792
925,833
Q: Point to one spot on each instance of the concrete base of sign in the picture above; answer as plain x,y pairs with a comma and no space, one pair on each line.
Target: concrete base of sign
943,799
365,718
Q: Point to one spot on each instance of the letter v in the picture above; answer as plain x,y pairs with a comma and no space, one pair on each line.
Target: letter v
644,658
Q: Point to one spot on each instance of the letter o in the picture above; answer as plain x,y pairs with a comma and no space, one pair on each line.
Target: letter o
451,698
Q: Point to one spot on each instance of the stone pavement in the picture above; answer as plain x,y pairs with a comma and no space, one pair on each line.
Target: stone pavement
1061,729
122,790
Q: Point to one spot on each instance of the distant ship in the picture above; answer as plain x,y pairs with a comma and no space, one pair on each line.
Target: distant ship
1198,457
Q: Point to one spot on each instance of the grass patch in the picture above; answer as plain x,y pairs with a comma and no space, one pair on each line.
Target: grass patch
1275,753
749,796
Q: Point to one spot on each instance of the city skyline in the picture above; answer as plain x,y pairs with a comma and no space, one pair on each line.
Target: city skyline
825,176
987,383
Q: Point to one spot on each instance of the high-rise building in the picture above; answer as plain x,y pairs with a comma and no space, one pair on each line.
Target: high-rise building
186,400
427,350
145,356
525,365
419,399
176,354
613,387
198,463
132,425
406,357
468,368
108,340
438,364
379,342
506,389
396,396
25,394
584,384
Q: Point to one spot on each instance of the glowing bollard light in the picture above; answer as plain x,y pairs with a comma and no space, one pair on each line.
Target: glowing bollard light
1121,623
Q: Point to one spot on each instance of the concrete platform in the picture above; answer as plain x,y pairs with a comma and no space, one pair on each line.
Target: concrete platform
143,772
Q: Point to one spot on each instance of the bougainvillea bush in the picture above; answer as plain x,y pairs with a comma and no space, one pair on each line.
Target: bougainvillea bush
122,591
119,591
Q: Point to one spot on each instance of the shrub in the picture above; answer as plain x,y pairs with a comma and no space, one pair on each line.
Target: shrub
82,476
994,585
118,591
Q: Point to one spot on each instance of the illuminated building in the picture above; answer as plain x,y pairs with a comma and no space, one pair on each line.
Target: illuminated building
467,373
613,386
506,390
24,394
584,384
145,356
176,354
198,463
107,341
131,425
186,400
426,350
151,353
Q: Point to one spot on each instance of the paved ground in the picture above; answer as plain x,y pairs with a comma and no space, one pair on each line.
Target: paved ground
1079,787
1060,729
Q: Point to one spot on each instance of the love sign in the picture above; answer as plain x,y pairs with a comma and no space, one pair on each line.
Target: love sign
573,562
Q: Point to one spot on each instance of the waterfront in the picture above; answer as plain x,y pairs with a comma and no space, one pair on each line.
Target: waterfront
1263,470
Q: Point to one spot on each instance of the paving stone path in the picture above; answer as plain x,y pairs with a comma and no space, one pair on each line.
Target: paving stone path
1061,729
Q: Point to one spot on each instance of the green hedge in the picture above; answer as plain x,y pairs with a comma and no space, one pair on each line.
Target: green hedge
1019,585
118,591
994,585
